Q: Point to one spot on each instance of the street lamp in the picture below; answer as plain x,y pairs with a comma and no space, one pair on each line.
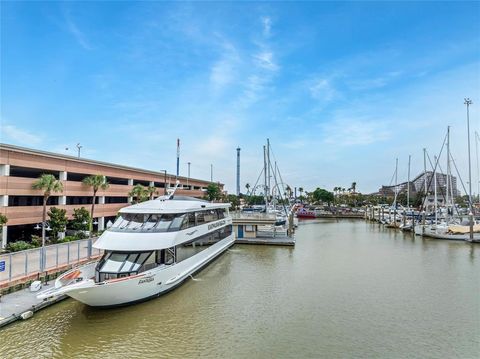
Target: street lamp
188,178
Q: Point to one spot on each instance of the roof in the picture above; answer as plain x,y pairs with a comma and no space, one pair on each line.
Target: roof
178,204
4,146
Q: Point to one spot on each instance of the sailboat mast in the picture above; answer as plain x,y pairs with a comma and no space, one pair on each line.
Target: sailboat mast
435,188
425,174
268,165
448,171
265,175
408,182
468,102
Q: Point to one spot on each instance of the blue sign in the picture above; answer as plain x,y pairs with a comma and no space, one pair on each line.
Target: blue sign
2,266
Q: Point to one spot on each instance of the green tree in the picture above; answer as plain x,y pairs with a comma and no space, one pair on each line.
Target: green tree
48,184
58,220
254,199
322,195
151,191
3,220
300,189
234,200
96,182
213,192
81,219
139,193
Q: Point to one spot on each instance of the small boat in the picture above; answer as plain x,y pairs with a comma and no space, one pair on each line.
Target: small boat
152,248
306,213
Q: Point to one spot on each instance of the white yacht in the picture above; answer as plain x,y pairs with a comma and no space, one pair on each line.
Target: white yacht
150,249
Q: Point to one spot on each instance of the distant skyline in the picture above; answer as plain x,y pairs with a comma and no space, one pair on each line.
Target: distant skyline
341,89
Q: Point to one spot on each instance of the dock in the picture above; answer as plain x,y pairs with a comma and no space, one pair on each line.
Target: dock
23,304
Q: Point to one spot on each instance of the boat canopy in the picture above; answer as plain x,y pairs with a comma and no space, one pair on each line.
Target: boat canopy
179,204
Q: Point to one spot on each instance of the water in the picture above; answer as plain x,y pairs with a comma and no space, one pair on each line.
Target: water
348,289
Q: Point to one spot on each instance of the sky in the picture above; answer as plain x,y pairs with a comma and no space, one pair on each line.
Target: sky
341,89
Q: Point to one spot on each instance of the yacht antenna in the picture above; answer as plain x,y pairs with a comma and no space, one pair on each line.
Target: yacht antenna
171,192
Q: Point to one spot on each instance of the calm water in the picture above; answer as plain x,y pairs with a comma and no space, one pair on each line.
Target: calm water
348,289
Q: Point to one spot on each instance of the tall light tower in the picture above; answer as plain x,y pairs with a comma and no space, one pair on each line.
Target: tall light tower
238,171
178,157
468,102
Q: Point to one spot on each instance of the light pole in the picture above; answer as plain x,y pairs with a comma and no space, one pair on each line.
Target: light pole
79,148
164,182
188,178
468,102
211,172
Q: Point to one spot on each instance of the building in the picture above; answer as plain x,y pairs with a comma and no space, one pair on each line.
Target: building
20,167
417,185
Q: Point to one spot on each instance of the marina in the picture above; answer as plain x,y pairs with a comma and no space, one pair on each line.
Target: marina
348,288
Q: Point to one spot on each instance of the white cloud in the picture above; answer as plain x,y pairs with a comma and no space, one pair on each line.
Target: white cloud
352,132
223,72
322,89
17,135
264,59
77,33
267,26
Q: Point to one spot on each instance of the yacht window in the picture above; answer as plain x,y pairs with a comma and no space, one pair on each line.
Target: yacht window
140,260
136,221
170,255
191,219
177,222
164,222
114,262
200,218
151,221
211,215
220,213
131,259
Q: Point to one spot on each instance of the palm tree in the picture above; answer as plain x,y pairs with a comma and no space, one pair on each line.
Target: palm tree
300,189
151,190
354,187
139,192
288,190
247,186
96,182
48,184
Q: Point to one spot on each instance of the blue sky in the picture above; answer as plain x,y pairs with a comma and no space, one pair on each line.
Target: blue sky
340,88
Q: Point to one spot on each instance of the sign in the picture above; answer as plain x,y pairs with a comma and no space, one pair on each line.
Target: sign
2,266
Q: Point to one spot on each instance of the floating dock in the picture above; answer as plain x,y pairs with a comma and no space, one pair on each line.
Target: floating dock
22,305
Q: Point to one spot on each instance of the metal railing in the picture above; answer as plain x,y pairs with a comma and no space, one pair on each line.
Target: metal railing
23,263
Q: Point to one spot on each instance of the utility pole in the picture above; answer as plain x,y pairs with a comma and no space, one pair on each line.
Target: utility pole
408,182
468,102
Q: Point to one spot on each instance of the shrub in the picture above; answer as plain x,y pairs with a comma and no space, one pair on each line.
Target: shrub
36,240
81,219
19,246
80,235
67,239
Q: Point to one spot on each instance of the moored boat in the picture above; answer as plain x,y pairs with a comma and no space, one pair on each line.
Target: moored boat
151,248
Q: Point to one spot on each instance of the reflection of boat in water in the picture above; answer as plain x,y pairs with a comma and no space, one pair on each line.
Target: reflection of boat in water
151,248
